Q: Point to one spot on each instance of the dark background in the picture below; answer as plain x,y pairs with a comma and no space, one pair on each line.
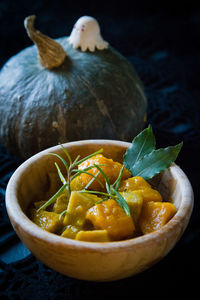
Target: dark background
162,41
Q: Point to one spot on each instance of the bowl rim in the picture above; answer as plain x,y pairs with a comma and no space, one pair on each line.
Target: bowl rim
19,218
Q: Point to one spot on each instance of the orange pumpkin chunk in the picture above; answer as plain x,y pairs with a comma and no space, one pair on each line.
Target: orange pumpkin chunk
133,183
110,168
47,220
139,183
110,216
150,195
70,232
93,236
154,215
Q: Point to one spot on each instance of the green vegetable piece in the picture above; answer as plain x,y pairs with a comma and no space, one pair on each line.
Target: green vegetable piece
142,144
156,161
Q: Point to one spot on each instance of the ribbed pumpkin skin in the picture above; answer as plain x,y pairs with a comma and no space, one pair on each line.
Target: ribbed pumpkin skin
92,95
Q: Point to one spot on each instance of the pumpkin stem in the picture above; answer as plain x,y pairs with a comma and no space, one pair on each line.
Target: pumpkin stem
51,53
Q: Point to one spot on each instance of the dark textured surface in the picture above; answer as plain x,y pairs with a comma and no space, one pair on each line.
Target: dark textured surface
162,42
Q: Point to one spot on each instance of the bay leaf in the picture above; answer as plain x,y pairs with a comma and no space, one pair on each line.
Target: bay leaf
155,161
142,144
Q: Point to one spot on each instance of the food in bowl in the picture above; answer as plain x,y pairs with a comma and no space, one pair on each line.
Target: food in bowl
37,179
102,200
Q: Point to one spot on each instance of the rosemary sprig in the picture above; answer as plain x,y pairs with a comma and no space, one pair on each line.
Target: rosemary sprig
117,197
107,181
122,202
118,180
111,190
62,178
95,192
76,159
89,156
78,171
70,169
53,198
62,159
85,172
92,180
62,213
67,154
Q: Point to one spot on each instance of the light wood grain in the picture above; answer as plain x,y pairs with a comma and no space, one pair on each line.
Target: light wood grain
36,178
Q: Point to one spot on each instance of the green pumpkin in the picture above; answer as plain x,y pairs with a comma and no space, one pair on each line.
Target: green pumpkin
89,95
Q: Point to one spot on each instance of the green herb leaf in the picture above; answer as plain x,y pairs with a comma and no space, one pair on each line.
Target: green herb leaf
78,172
53,198
117,197
62,178
76,159
62,159
122,202
92,180
156,161
142,144
95,192
85,169
103,199
118,180
66,153
89,156
61,214
107,181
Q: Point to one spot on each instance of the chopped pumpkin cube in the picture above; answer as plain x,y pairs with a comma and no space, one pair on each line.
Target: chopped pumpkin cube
77,184
110,216
154,215
93,236
139,183
110,168
134,200
61,203
133,183
48,221
150,194
70,232
79,203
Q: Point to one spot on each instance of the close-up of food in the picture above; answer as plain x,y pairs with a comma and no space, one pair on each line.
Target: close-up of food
100,199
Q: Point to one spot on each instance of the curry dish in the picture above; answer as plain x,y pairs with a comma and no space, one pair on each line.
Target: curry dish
86,212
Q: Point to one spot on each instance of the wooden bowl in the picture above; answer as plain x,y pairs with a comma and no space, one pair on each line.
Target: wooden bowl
37,178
